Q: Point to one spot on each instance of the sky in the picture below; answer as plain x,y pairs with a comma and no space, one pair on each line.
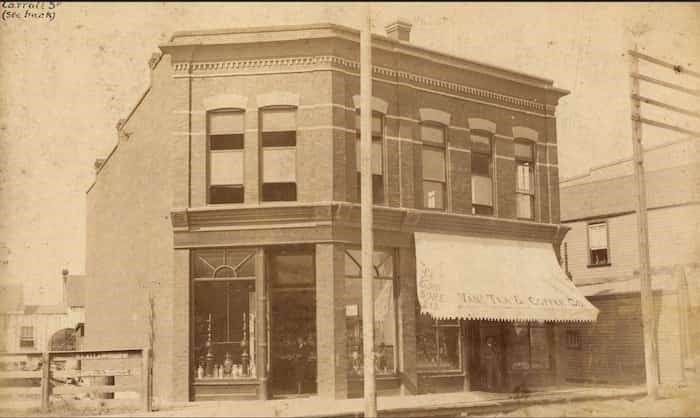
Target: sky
66,81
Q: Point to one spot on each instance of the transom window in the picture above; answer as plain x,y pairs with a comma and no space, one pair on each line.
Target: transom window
482,174
225,141
598,251
377,158
434,172
525,179
279,140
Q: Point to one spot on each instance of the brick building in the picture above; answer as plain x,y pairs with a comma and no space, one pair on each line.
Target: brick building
231,202
602,257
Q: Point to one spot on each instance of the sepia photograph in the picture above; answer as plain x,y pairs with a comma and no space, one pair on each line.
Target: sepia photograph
350,209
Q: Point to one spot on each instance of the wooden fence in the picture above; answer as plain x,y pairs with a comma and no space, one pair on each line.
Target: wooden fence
44,378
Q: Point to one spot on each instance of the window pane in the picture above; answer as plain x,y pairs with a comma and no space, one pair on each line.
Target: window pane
448,353
481,164
377,149
229,308
524,206
225,122
518,346
433,164
226,142
539,348
437,344
279,165
525,178
225,194
481,144
294,269
432,133
482,210
384,326
226,168
482,193
433,195
523,151
276,120
599,256
278,192
598,236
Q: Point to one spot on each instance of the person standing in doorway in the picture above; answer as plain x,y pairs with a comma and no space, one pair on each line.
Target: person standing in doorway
300,359
492,360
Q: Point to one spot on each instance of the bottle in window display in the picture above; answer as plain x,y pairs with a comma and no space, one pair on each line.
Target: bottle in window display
228,364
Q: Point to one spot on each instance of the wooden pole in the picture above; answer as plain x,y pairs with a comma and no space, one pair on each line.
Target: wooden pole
650,349
366,214
146,379
45,381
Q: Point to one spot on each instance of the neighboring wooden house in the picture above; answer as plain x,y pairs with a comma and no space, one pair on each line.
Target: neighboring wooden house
601,255
41,327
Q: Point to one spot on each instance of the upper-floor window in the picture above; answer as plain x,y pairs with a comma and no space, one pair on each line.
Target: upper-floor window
598,249
225,153
26,337
279,139
525,180
434,173
482,175
377,157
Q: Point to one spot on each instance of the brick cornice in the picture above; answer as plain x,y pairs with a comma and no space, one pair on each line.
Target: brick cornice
347,215
301,63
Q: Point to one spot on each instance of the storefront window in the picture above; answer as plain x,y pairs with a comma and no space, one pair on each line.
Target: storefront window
224,314
437,343
384,312
527,346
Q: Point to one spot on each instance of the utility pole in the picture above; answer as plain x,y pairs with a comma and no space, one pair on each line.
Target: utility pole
651,356
367,236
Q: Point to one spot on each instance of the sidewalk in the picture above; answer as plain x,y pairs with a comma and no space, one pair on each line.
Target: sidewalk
446,404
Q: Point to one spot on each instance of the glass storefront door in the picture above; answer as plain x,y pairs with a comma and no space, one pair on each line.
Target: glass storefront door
292,323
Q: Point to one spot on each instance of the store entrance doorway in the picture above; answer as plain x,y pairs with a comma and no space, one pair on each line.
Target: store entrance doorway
292,342
292,338
486,363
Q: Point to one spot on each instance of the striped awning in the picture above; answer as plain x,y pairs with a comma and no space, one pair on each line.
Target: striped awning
495,279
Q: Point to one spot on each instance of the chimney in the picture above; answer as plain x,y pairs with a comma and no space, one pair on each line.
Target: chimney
399,30
64,273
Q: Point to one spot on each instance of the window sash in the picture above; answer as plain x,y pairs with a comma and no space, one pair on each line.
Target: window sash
377,156
523,151
524,206
482,190
279,165
525,178
434,164
376,125
433,134
226,122
481,144
433,194
598,236
225,167
279,120
27,333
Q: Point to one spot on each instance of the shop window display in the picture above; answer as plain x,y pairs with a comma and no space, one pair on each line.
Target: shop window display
224,314
437,343
384,312
527,346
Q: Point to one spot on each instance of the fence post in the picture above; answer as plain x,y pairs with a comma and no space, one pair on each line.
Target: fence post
146,378
45,381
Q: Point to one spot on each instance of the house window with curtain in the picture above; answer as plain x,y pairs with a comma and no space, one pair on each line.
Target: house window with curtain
598,251
434,173
482,175
525,180
438,343
385,326
377,158
225,154
278,127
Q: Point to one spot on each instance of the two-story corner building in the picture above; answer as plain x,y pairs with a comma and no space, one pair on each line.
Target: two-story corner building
231,202
601,252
